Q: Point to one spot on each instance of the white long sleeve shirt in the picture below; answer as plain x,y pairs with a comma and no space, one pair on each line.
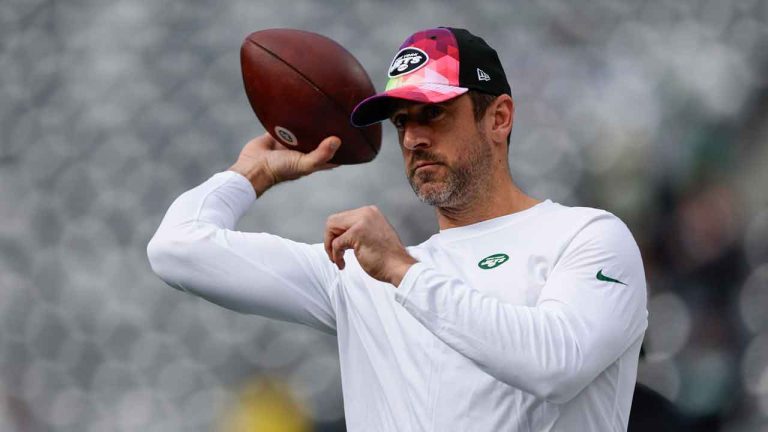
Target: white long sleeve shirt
531,321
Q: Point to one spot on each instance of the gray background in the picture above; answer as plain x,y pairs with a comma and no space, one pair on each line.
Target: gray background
653,110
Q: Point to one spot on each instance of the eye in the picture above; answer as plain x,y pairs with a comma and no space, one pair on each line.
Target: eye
432,112
398,120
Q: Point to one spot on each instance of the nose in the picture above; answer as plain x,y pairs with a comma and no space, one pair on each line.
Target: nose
415,136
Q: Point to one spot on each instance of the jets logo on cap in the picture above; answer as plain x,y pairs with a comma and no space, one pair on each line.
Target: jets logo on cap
406,61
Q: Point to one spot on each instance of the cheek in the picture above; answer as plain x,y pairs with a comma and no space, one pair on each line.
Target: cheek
461,139
463,152
473,157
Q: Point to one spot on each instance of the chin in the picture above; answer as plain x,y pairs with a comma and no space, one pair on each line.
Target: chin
433,194
430,187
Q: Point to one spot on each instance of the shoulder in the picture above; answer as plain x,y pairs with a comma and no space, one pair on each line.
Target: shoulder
588,228
578,213
589,220
599,245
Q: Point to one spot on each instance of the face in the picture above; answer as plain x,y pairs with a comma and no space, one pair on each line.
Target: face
448,158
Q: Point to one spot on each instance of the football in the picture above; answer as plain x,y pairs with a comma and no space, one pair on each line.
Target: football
303,87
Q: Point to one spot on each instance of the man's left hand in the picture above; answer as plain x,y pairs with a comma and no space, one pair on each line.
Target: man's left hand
377,246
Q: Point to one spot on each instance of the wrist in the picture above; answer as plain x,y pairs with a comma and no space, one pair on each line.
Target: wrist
260,178
400,269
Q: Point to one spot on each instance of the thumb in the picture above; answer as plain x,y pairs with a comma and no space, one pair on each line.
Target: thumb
318,158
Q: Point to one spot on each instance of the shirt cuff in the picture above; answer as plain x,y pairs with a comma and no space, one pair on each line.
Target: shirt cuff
408,283
240,181
229,196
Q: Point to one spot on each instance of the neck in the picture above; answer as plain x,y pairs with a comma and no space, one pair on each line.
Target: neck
487,203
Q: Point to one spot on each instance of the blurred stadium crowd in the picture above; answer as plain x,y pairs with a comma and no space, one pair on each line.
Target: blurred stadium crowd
654,110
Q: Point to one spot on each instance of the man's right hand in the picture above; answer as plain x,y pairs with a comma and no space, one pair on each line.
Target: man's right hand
266,162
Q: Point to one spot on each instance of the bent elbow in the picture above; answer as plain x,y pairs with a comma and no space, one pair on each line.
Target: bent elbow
560,381
164,255
170,255
560,388
571,367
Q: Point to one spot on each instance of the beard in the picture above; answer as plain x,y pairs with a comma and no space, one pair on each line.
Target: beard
452,185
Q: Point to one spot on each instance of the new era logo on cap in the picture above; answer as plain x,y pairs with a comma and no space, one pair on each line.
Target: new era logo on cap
482,76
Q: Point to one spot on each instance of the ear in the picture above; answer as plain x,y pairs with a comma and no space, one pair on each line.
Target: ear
502,116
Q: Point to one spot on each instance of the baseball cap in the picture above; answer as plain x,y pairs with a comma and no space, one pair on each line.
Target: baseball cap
432,66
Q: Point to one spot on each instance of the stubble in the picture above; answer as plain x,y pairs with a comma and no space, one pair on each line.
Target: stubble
451,186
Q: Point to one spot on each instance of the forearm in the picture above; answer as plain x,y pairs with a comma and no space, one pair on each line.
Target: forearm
219,201
196,249
544,350
190,226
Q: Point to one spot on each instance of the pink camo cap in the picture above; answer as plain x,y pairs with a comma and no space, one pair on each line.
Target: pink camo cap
428,68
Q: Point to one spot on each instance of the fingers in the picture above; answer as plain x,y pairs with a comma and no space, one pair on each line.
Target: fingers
342,231
338,246
336,241
318,158
347,218
338,235
328,237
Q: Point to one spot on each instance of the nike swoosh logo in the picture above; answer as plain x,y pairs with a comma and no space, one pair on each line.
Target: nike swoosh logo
602,277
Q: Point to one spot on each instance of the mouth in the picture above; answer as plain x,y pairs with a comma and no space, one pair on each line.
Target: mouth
424,164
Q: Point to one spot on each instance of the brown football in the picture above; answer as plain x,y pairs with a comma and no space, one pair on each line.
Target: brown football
303,88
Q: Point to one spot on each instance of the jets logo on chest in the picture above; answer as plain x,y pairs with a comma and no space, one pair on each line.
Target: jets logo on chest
493,261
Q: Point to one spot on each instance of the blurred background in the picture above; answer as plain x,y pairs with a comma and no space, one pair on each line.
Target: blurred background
654,110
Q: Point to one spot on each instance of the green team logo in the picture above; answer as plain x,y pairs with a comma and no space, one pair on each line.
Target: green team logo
493,261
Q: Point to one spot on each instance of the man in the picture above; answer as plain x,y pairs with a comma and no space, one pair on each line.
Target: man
519,315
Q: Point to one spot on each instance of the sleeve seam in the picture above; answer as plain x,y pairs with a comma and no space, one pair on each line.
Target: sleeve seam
200,206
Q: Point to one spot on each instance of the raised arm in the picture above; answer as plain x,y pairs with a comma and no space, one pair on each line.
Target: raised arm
590,311
197,250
